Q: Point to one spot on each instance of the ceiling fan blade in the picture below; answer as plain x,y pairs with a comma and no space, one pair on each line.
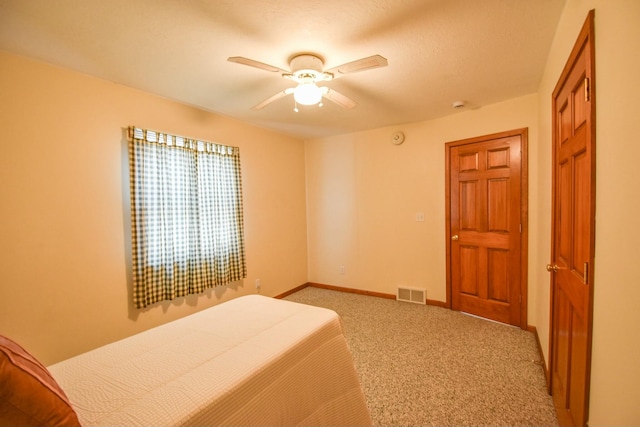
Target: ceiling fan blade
256,64
338,98
368,63
273,98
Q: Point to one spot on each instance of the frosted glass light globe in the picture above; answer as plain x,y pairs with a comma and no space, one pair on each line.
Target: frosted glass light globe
307,94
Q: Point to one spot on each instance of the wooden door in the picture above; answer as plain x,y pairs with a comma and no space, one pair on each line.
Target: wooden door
484,224
573,229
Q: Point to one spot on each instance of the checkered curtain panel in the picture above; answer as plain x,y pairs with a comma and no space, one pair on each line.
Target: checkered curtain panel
186,216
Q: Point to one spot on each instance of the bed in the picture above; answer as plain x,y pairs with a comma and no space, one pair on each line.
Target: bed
253,360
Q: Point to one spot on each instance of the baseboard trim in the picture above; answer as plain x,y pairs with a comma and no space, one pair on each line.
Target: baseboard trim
292,291
543,362
354,291
437,303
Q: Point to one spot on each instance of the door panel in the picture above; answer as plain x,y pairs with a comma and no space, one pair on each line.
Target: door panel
498,158
468,205
573,231
469,261
484,219
580,252
498,280
498,205
468,162
563,315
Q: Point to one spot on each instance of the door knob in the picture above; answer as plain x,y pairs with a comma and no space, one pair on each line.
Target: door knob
454,237
553,268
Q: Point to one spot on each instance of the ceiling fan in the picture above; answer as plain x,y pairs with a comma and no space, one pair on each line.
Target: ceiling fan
307,70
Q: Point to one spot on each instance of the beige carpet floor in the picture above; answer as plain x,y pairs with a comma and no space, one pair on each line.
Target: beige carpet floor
429,366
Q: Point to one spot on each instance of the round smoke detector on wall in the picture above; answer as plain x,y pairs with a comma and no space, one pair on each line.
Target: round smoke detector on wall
397,138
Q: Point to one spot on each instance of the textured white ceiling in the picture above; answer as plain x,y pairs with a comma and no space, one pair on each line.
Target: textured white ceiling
439,51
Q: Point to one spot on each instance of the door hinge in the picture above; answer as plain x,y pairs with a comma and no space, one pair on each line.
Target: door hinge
585,273
521,228
586,89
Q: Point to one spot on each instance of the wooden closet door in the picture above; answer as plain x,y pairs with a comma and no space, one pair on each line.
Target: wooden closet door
573,231
485,227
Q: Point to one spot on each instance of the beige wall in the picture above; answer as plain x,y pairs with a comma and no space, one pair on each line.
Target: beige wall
615,372
64,207
363,194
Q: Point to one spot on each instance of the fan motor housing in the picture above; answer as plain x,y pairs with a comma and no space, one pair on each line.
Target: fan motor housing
306,62
307,68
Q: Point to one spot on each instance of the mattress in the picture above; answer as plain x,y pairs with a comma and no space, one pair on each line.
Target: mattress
253,360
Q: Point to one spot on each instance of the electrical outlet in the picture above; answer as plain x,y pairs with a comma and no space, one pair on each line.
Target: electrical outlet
420,217
258,284
342,270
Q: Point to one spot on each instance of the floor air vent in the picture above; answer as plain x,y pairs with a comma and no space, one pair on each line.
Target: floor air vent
415,295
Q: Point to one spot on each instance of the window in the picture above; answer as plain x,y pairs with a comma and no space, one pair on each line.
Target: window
186,216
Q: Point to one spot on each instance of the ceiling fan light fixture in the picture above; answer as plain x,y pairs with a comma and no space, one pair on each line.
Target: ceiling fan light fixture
307,70
307,94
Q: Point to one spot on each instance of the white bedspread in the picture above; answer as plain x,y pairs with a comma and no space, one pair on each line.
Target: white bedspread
253,360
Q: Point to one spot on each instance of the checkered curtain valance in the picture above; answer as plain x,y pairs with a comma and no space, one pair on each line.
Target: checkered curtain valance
186,216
